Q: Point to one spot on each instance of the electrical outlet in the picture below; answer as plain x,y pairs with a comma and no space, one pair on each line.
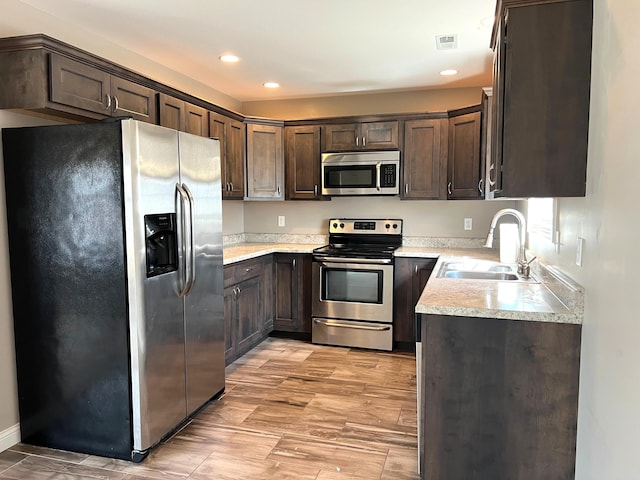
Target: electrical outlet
468,223
579,251
281,220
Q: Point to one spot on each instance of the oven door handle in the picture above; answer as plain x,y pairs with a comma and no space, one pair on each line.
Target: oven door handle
370,261
334,323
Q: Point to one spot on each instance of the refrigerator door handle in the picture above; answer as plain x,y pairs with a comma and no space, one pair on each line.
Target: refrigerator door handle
191,261
180,200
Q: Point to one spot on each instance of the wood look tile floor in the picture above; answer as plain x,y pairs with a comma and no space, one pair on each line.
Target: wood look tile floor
291,410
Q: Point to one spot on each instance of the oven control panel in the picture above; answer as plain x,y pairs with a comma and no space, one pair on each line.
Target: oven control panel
391,226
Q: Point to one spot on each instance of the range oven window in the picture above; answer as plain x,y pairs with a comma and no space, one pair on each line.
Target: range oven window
347,285
350,176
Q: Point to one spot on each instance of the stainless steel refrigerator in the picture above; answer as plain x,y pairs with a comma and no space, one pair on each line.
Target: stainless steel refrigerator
115,239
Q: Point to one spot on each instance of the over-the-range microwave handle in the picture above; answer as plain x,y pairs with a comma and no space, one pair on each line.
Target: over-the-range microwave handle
378,165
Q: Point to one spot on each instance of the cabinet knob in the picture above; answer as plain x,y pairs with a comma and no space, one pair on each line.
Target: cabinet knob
449,188
248,269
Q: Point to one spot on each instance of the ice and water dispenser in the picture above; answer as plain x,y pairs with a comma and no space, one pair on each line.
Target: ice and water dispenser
161,243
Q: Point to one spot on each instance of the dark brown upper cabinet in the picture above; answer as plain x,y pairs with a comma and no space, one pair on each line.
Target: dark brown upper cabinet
302,162
361,136
464,176
79,85
182,116
542,77
265,160
47,82
232,136
424,164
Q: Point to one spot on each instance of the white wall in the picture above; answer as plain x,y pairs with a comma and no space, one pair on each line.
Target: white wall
426,218
607,218
8,386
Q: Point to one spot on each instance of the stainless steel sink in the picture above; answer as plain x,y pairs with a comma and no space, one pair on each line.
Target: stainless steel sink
481,270
480,275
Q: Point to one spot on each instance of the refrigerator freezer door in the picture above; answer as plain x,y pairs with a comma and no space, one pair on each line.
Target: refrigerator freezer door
203,306
150,174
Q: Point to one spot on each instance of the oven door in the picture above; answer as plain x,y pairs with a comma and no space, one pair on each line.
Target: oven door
344,289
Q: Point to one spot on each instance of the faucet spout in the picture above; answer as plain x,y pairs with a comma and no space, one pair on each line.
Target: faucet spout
522,257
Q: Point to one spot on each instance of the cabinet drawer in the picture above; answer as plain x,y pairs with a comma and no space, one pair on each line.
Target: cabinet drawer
239,272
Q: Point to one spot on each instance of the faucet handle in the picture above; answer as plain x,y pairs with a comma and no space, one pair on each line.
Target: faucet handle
524,268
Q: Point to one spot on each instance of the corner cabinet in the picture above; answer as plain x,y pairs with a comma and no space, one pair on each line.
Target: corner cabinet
302,162
292,301
409,279
542,78
464,176
424,166
265,160
499,398
350,137
247,305
232,136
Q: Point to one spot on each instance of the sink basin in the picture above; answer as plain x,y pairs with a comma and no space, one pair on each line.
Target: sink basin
477,275
481,270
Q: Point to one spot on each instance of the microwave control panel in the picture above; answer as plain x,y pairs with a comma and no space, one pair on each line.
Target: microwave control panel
388,176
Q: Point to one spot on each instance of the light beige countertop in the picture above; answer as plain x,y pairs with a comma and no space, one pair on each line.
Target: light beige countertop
509,300
555,299
245,251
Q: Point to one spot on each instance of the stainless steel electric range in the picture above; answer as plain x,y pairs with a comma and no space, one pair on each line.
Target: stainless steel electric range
353,283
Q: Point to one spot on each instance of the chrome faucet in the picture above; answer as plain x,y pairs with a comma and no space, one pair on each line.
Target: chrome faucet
523,264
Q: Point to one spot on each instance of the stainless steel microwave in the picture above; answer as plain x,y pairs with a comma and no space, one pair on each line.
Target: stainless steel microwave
361,173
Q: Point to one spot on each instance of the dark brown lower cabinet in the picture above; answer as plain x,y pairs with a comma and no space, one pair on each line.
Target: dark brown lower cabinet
247,305
292,273
409,279
499,398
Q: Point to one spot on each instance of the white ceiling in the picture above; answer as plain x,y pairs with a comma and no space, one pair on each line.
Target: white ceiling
311,47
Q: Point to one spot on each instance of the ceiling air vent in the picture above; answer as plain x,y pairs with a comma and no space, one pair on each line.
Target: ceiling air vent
447,42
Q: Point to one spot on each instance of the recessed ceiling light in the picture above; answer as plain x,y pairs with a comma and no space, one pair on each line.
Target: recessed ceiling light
271,84
448,72
488,21
229,58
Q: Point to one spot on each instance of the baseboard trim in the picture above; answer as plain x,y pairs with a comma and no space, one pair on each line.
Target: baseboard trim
9,437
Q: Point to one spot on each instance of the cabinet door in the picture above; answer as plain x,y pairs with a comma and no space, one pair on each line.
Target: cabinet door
196,120
543,112
171,112
231,134
292,284
132,99
302,158
410,277
265,162
249,307
78,85
236,140
464,157
424,165
379,135
340,138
